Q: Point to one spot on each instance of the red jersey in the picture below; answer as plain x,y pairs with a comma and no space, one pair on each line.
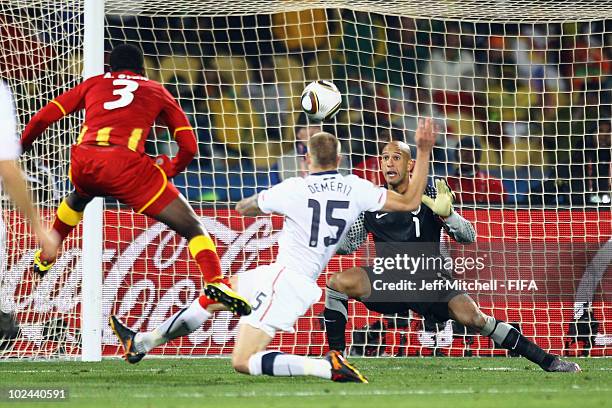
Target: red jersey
480,188
120,108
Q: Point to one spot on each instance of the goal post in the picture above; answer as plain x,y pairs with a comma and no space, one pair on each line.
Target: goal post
522,86
93,228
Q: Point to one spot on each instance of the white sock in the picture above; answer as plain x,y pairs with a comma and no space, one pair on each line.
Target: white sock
183,322
288,365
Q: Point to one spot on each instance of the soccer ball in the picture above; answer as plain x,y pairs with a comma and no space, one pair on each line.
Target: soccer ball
321,100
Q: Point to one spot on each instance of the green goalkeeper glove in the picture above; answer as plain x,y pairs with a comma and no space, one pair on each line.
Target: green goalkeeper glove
443,204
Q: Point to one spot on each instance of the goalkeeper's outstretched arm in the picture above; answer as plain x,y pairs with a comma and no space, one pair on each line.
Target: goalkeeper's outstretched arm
457,227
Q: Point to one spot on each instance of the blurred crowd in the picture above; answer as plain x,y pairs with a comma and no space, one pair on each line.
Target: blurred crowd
523,110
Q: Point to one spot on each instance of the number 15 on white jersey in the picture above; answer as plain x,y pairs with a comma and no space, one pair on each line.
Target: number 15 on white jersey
319,209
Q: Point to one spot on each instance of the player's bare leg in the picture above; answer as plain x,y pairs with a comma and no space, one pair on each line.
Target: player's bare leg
179,216
465,311
248,356
249,342
68,216
351,283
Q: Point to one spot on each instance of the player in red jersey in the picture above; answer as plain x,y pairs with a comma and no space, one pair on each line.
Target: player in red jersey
108,159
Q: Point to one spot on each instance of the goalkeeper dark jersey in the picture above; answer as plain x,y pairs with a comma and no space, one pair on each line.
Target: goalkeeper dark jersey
421,226
391,229
415,234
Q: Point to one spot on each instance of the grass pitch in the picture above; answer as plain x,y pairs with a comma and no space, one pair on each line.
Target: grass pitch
394,382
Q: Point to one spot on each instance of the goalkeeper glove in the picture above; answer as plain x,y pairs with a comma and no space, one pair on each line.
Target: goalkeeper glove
443,203
164,162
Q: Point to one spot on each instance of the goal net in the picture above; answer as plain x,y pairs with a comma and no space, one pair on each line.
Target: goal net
521,94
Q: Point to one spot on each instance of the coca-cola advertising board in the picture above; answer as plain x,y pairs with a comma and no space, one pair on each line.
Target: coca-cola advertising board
148,276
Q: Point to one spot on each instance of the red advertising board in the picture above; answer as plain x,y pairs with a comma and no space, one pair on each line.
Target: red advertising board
148,276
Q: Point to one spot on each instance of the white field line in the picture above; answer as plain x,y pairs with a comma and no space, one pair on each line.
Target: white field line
164,369
365,392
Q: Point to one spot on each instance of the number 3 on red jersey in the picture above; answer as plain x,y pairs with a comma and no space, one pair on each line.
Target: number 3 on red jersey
126,93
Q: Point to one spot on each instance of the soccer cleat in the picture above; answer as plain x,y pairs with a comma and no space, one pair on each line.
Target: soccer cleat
222,293
342,370
41,267
563,366
126,337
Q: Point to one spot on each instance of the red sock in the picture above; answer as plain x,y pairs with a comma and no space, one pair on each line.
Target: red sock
205,301
209,264
62,228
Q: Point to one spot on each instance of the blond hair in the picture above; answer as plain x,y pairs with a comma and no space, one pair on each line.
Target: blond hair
324,149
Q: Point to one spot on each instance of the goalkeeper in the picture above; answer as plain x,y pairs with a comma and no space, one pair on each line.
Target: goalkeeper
420,228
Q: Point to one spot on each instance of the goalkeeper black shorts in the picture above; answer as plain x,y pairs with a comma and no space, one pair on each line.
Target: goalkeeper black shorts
432,304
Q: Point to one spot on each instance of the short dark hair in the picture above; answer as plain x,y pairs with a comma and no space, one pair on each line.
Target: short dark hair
324,149
127,57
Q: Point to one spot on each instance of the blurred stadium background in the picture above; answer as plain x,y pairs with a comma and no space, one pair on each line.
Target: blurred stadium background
532,93
521,90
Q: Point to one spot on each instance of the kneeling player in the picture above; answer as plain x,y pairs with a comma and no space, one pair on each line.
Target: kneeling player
317,209
108,159
421,226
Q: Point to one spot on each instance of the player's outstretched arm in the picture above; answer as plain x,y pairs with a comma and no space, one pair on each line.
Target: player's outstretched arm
425,138
188,147
44,118
68,102
10,173
276,199
174,117
249,207
442,204
457,227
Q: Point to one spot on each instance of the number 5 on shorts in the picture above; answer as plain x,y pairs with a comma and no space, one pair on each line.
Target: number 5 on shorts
259,300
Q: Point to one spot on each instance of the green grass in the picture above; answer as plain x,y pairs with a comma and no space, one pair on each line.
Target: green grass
410,382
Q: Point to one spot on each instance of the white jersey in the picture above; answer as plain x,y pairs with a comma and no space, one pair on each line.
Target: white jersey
10,148
319,210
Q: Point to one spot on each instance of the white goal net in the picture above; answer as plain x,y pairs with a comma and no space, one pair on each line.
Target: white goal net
521,92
